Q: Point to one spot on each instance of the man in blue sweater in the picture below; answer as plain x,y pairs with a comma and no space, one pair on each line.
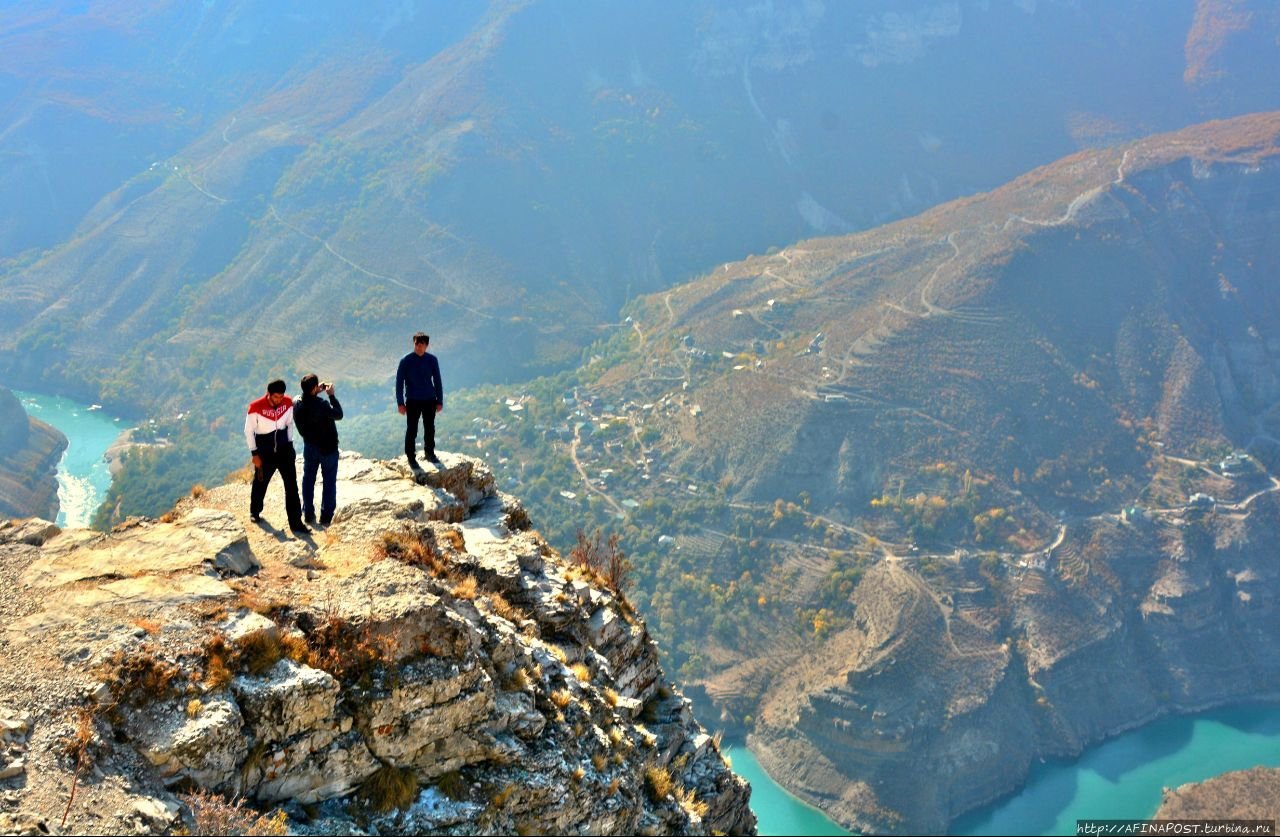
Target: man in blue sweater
419,393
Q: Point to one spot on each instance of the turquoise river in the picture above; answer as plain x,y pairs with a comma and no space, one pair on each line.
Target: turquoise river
1119,779
83,476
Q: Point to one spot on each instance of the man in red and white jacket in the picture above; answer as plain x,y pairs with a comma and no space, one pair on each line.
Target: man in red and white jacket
268,430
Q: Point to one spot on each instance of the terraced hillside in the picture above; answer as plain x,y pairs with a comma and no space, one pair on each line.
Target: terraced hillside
992,420
1067,322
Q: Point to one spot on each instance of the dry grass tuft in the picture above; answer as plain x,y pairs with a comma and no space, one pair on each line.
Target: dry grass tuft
452,785
149,625
76,745
658,782
240,476
269,605
691,804
389,788
255,653
506,609
217,674
140,676
561,698
466,588
350,652
453,539
500,797
417,549
259,651
601,558
518,680
213,814
581,671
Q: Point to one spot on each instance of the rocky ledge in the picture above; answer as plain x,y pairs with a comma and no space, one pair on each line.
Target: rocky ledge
425,664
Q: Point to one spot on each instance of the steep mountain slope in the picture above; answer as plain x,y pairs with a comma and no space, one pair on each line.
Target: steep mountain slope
1062,322
29,454
505,177
927,435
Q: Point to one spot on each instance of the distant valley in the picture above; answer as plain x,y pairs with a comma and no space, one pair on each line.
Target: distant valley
1019,448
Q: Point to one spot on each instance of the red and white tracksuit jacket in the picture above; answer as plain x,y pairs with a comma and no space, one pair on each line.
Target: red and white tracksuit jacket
269,429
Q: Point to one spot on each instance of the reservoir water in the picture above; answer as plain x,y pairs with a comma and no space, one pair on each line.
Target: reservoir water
1122,778
777,812
83,475
1118,779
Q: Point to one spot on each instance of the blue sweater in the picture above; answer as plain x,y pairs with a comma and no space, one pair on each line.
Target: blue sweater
418,378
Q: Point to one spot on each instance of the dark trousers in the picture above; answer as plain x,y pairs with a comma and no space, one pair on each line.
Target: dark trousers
327,464
281,460
424,409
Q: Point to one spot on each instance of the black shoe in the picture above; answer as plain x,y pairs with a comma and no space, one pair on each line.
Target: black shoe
299,529
413,464
255,517
310,520
434,460
326,520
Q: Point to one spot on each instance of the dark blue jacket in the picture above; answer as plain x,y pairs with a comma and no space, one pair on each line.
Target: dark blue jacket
315,421
418,378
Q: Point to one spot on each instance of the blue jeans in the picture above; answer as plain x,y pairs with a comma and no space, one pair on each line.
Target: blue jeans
327,464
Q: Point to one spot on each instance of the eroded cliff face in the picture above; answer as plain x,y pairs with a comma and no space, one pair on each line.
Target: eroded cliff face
29,454
426,663
954,685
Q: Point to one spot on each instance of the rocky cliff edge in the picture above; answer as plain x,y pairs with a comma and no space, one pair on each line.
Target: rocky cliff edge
424,664
29,454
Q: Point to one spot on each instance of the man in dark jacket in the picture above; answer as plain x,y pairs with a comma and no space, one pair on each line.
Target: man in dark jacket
315,419
419,394
268,431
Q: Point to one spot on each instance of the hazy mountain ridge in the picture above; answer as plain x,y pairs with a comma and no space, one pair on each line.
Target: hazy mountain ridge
513,189
97,92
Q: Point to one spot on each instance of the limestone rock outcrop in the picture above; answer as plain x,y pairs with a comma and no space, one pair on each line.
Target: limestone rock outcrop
426,664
